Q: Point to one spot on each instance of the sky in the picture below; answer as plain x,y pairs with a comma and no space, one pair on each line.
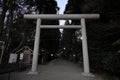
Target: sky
61,5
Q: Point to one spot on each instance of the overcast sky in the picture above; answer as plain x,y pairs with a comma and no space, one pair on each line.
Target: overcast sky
61,5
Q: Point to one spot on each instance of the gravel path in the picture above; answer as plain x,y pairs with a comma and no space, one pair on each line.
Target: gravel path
56,70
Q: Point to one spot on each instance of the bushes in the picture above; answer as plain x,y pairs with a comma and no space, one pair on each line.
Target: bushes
105,61
111,63
6,68
103,50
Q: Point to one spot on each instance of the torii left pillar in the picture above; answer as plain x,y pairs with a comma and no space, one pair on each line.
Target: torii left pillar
36,48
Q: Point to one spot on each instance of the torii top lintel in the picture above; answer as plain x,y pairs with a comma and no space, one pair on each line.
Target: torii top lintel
61,16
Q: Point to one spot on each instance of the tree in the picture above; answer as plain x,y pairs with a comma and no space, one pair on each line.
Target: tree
102,33
69,39
17,32
12,25
49,37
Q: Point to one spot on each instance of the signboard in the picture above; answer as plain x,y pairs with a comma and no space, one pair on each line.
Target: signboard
12,58
21,56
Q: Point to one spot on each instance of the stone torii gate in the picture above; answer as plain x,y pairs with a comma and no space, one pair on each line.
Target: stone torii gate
82,18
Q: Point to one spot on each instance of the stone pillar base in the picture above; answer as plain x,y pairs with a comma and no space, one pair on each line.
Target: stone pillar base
88,74
32,73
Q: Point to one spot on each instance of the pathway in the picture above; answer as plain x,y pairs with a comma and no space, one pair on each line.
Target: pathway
56,70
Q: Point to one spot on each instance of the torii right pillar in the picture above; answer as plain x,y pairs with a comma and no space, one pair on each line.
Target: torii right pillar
85,50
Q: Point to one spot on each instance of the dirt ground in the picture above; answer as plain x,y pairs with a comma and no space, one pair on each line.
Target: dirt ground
55,70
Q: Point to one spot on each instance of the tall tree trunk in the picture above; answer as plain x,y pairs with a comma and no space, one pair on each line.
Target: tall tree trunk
4,7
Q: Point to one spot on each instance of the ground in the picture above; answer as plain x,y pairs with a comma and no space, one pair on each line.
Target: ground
55,70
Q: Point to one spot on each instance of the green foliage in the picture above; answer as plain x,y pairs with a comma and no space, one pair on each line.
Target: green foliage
7,68
103,34
103,54
49,37
107,61
17,32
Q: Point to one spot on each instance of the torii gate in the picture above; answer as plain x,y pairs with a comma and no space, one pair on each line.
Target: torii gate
82,18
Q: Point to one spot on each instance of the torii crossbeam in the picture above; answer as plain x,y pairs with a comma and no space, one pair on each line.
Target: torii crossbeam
81,17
